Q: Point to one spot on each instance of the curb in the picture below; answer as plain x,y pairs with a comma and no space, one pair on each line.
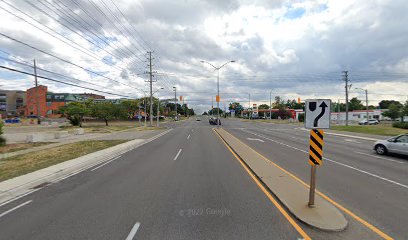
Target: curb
17,187
325,217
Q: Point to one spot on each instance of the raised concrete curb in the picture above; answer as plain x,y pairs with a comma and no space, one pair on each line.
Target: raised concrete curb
18,186
293,194
348,136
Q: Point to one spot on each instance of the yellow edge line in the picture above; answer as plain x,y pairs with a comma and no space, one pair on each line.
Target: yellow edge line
271,198
365,223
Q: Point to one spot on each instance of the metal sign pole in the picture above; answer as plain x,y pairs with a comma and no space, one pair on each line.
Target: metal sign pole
312,186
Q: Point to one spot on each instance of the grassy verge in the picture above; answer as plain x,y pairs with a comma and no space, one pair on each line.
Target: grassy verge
372,129
13,147
26,163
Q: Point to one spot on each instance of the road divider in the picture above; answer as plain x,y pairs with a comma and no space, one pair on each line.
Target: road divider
289,191
345,210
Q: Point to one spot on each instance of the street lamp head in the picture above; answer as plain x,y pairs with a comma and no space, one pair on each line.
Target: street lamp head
202,61
162,88
232,61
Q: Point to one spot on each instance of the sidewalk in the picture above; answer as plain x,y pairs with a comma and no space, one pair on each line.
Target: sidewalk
287,188
128,134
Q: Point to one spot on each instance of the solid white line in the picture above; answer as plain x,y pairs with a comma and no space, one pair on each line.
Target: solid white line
387,159
175,158
188,137
16,198
113,159
351,140
133,231
14,208
333,161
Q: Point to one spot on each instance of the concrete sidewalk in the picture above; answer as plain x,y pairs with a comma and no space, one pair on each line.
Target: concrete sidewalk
19,186
292,193
128,134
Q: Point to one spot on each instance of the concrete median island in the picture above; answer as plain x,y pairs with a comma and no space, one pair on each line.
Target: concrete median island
291,193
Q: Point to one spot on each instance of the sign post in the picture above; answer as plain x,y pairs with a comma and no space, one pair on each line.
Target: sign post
317,117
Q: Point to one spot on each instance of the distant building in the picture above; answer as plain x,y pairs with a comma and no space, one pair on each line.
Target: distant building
10,102
90,96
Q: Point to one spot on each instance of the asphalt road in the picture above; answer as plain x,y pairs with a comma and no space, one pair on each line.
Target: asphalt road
188,185
373,187
203,193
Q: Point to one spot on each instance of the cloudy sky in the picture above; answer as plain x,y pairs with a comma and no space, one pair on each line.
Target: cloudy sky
292,48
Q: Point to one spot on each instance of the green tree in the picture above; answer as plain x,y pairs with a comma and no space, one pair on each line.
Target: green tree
278,104
131,107
355,104
105,111
293,104
237,107
74,112
404,111
2,139
384,104
393,112
215,111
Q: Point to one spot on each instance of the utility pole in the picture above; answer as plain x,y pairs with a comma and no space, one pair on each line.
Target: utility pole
37,94
151,88
212,106
158,111
175,102
145,124
366,93
270,105
249,99
347,87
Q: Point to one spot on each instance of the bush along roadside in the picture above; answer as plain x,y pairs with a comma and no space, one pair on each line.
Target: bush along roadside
2,139
403,125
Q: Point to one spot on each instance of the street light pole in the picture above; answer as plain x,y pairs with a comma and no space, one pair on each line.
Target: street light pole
366,96
270,105
175,102
218,87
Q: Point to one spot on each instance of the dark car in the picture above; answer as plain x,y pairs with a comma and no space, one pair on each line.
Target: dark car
214,120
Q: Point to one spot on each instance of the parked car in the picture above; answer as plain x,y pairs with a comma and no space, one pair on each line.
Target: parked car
370,122
198,119
398,144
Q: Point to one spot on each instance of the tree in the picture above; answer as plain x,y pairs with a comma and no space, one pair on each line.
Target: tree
131,106
404,111
2,139
293,104
278,104
384,104
263,106
205,113
104,110
393,112
214,111
74,112
237,107
355,104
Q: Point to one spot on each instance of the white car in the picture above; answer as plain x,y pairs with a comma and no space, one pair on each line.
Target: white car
398,144
370,122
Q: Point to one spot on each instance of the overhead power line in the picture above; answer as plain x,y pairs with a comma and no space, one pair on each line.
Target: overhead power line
54,80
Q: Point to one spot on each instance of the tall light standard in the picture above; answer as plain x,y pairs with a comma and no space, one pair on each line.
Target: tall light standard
158,106
366,95
175,102
218,87
270,105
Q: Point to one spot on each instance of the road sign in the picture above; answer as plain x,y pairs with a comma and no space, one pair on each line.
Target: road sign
317,113
316,147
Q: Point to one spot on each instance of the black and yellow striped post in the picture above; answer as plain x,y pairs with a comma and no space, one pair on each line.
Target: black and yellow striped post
315,158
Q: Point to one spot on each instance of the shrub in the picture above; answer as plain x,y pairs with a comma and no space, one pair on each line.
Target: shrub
403,125
301,117
2,139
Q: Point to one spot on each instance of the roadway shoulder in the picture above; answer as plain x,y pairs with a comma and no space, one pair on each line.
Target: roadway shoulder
293,194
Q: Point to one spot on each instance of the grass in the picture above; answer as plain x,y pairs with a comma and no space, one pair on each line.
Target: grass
13,147
386,130
26,163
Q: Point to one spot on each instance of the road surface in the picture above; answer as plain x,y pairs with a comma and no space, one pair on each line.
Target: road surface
188,185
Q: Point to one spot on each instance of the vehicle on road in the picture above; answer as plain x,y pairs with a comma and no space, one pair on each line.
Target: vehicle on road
198,119
214,120
370,122
397,144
